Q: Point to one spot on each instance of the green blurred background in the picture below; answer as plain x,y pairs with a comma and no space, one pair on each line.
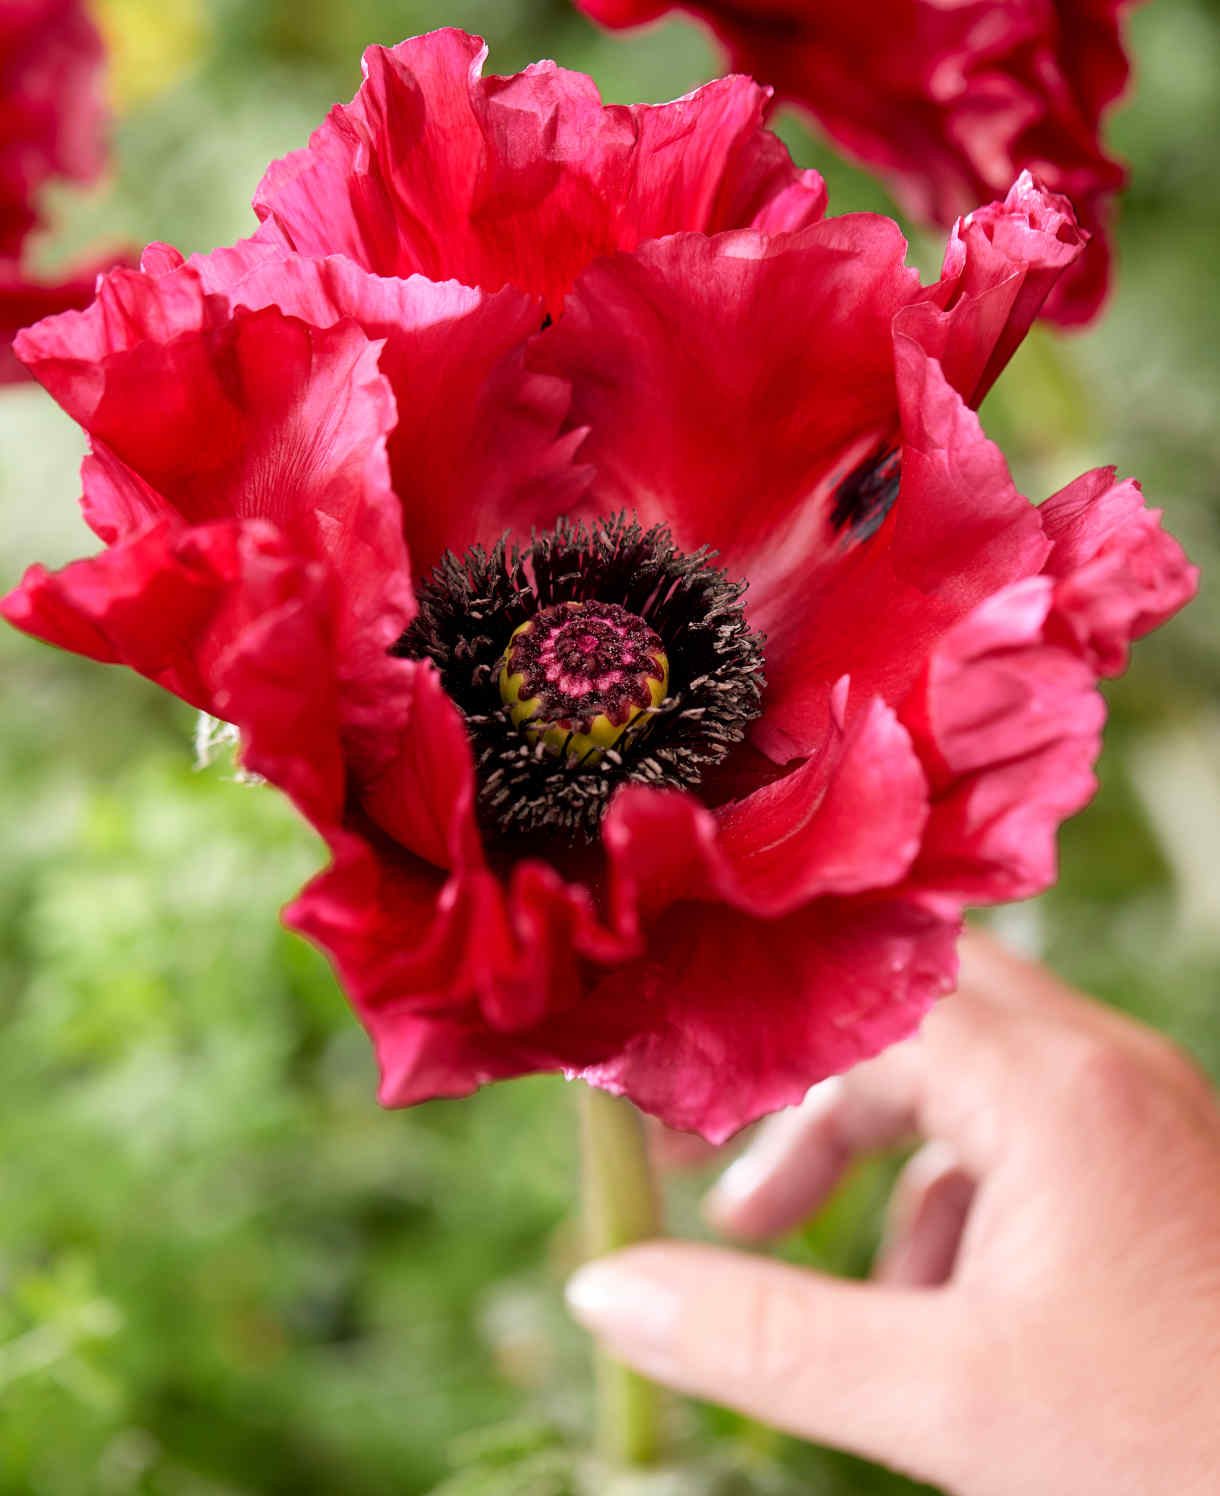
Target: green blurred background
222,1269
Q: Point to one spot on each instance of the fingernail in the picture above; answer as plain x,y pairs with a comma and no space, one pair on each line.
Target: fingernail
739,1182
626,1307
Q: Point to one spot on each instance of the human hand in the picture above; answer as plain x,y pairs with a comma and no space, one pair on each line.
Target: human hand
1045,1310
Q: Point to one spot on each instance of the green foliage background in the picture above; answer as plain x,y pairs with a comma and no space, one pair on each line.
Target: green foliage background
223,1271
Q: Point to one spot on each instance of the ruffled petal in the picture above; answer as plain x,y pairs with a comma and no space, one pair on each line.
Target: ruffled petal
959,519
727,1017
420,1058
223,615
500,965
117,504
1008,726
130,308
947,101
721,380
24,300
423,792
219,270
477,449
402,933
1001,263
845,821
733,1017
222,413
957,532
523,180
1118,574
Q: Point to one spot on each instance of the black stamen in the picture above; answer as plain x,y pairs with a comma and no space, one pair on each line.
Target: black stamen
470,606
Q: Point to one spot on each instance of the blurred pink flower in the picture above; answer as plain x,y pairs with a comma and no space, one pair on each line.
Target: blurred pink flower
947,102
52,119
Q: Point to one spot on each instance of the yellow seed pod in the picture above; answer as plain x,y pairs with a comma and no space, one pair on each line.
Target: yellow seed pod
560,667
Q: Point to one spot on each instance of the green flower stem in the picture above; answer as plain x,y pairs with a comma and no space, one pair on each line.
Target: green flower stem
621,1206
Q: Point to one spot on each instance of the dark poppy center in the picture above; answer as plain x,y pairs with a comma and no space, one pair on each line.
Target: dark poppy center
589,659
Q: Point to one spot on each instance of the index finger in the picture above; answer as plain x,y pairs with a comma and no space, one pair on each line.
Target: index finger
961,1079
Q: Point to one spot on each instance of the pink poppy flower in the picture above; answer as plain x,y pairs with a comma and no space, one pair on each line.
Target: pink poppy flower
946,102
641,616
52,119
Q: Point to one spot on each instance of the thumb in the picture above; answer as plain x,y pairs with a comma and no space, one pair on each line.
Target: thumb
871,1369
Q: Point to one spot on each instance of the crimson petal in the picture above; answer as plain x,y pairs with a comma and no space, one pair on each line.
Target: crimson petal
24,300
477,448
1009,726
846,820
948,102
732,1017
522,180
244,414
1001,263
1119,574
722,379
224,615
958,531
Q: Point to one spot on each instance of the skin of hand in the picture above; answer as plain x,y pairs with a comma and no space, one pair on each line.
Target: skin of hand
1045,1309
